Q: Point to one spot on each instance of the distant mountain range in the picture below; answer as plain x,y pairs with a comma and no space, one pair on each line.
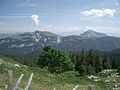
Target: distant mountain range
31,42
92,34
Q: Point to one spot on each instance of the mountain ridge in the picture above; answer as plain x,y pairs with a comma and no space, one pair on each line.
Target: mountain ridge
92,34
30,42
50,33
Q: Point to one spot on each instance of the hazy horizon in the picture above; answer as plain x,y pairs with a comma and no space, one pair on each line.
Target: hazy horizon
62,34
64,17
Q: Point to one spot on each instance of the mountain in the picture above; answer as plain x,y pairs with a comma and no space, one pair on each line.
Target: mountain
103,43
30,43
5,35
92,34
26,44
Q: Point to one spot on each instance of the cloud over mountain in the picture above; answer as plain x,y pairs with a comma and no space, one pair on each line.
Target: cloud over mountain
35,18
99,13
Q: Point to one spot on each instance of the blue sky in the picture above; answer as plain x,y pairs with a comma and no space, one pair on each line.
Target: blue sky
63,17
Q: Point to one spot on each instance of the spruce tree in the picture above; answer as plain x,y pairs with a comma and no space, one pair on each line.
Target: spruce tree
55,60
82,70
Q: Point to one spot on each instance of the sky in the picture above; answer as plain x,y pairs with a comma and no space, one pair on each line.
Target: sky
64,17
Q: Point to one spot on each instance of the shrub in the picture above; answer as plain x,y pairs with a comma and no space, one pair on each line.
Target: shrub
55,60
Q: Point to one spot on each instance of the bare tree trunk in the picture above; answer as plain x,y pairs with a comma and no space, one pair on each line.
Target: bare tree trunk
75,88
17,83
10,86
29,82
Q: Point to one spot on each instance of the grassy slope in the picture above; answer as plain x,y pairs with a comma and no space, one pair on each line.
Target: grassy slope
43,79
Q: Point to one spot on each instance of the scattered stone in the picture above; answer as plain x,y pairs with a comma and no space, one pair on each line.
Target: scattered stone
94,78
16,65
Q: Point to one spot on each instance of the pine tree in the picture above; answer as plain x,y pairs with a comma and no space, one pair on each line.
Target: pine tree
118,70
91,62
98,63
55,60
90,70
106,63
82,70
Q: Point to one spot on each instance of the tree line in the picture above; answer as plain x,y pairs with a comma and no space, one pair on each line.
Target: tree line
85,62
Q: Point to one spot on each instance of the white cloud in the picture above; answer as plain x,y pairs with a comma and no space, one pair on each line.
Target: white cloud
117,4
99,13
35,18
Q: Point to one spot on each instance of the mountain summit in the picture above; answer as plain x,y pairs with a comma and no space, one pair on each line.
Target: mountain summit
92,34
